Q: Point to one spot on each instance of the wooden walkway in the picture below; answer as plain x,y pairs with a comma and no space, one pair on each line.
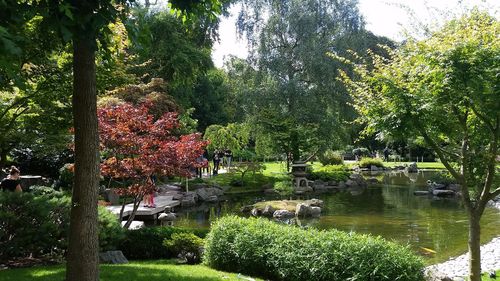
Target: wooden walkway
161,203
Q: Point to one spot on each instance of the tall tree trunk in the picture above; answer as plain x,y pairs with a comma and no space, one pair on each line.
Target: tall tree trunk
3,158
83,249
474,246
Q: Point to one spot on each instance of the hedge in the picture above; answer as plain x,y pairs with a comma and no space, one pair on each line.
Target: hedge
368,162
260,247
330,173
36,224
147,243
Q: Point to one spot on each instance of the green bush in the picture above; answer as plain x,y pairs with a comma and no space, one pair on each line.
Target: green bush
361,151
261,247
66,175
330,173
443,177
36,224
185,245
147,243
111,233
43,190
330,157
368,162
32,225
284,187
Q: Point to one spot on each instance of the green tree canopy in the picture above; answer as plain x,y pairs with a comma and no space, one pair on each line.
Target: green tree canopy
445,89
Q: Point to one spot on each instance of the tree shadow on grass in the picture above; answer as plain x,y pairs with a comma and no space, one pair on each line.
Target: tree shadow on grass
142,271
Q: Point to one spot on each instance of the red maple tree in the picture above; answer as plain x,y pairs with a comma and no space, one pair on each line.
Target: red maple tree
136,145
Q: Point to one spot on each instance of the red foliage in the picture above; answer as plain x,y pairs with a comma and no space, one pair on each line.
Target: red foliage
136,146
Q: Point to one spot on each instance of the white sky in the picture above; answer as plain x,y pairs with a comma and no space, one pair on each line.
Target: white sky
383,17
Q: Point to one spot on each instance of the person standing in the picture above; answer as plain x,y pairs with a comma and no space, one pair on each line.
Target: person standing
229,156
11,182
386,154
149,196
216,161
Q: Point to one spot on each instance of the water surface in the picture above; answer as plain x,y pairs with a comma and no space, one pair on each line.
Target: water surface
388,209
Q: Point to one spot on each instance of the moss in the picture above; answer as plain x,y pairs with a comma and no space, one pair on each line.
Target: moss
279,204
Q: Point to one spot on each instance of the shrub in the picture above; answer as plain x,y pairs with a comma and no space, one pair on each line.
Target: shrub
185,245
111,232
443,177
330,173
361,151
36,224
147,243
331,157
368,162
66,175
33,225
43,190
283,187
261,247
42,161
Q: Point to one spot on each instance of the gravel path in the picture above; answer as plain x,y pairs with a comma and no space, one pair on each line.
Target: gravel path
457,267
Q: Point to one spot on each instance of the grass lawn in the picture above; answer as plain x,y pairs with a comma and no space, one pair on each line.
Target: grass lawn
420,165
487,278
161,270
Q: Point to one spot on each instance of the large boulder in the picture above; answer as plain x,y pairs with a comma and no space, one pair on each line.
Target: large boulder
412,168
351,183
256,212
314,202
302,210
268,211
189,199
283,214
315,212
167,217
307,210
207,193
443,193
113,257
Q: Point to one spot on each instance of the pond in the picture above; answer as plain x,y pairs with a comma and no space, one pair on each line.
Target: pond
388,209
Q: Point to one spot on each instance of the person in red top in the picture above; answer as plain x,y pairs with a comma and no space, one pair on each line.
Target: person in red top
11,182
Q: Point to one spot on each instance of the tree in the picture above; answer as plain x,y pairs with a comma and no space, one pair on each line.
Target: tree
234,136
82,23
445,89
300,105
137,146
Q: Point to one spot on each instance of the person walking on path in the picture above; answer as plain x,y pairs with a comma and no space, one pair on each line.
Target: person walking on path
11,182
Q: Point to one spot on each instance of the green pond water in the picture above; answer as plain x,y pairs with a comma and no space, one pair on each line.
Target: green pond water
389,210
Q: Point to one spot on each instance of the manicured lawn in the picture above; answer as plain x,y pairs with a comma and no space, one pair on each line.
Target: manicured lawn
162,270
487,278
420,165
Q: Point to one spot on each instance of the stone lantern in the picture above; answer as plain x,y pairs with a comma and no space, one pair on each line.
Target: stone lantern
299,173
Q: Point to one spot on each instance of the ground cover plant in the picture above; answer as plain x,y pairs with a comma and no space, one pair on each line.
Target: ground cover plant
260,247
330,157
367,162
159,270
330,173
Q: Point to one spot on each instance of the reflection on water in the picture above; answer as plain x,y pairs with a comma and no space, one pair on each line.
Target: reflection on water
389,210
